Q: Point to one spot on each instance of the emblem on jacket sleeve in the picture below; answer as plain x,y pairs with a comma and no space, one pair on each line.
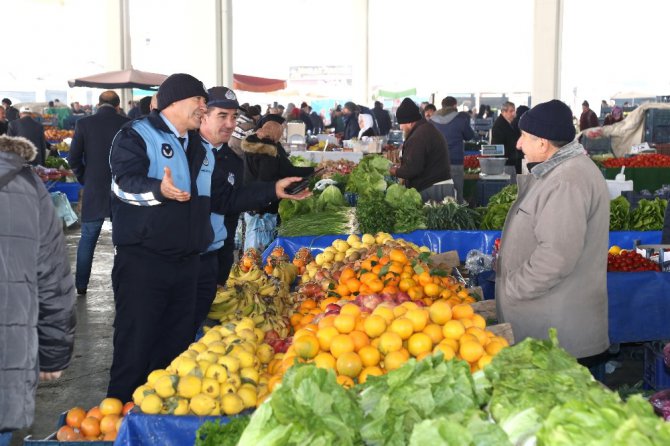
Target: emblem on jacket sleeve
231,178
167,151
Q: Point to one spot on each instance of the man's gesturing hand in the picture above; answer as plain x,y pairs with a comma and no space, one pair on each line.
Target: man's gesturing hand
169,190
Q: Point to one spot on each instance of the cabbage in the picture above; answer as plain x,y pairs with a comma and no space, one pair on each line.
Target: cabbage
331,199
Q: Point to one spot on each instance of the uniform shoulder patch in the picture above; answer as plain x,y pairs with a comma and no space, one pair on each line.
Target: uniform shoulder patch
167,150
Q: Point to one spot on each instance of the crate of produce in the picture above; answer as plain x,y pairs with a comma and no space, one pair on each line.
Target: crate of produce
71,190
656,374
52,441
657,125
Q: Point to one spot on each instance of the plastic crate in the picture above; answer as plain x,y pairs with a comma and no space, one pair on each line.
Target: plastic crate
656,374
596,146
657,125
488,188
71,190
51,439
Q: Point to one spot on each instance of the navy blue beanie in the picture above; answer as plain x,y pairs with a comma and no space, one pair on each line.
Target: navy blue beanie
550,120
179,86
407,112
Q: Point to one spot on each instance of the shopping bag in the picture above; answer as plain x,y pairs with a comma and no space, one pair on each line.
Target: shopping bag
261,230
63,208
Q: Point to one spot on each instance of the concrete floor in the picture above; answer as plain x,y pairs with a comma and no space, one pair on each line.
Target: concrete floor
84,383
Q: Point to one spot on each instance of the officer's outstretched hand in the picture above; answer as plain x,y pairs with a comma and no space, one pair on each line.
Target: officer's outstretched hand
282,184
169,190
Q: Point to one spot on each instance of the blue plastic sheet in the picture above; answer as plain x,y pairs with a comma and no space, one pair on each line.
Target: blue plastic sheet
639,306
139,429
625,239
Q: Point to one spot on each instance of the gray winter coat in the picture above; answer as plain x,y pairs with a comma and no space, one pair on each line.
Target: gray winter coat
37,303
552,266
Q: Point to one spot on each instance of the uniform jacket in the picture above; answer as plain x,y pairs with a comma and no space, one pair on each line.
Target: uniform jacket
32,131
552,264
503,133
37,303
455,127
268,161
145,217
89,160
425,157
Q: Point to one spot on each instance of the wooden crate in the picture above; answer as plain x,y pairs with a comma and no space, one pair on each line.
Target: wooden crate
486,308
503,330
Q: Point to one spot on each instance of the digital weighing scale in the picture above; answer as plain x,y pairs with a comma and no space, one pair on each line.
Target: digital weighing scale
493,151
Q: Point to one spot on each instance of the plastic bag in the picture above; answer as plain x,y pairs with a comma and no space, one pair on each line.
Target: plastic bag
477,262
261,230
63,208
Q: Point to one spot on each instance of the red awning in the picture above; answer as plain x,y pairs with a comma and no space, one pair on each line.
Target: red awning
257,84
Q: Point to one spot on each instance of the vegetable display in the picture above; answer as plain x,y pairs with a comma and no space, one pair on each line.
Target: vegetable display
374,214
630,261
407,207
216,434
647,160
369,175
326,222
619,214
498,207
450,215
649,215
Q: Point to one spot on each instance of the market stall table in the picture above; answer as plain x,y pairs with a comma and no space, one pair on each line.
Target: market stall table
649,178
318,156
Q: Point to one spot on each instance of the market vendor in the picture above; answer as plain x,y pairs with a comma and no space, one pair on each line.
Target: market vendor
425,155
160,228
228,195
552,264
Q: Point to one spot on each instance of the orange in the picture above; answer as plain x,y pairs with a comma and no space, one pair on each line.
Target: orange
75,416
431,290
349,364
466,337
341,344
398,256
394,360
327,301
342,289
446,351
360,339
479,334
399,310
346,274
462,311
415,293
403,327
385,312
395,268
453,343
353,284
345,323
440,312
67,433
370,356
467,322
419,343
409,305
360,322
325,337
502,340
308,304
306,346
306,319
478,321
423,355
295,319
108,423
345,381
351,309
493,347
425,278
326,321
90,427
471,351
369,371
94,412
445,294
377,269
324,360
127,408
389,342
375,286
418,317
434,331
384,260
453,329
367,277
484,361
110,436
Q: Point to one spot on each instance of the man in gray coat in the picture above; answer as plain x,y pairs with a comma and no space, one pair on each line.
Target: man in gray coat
37,305
552,266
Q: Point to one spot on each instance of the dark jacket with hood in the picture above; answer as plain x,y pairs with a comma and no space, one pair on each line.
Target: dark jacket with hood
37,303
383,119
166,227
351,127
425,157
503,133
89,159
455,127
266,160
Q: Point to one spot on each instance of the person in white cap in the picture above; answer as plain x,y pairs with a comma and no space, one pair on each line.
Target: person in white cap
33,131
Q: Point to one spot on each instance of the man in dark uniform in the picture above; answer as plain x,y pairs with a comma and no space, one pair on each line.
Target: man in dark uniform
161,225
228,196
89,160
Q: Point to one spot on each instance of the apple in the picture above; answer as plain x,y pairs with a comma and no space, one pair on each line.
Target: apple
333,307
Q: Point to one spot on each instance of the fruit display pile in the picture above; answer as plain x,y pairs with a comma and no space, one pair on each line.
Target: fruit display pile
647,160
629,261
101,422
471,163
53,134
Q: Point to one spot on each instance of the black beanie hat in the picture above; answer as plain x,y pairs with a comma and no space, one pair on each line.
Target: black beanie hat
269,117
177,87
550,120
407,112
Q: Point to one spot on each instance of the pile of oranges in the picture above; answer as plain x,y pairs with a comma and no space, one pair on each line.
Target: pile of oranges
102,422
357,344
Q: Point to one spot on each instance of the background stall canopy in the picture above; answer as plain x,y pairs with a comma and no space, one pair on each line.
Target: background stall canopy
131,78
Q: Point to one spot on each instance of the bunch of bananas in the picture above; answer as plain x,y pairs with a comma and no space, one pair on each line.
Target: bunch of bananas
254,294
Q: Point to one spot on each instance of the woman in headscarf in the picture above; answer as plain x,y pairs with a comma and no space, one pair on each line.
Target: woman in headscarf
366,123
615,116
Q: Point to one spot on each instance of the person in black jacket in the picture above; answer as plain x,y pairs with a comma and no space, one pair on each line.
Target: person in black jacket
12,112
503,133
350,114
160,226
383,118
3,121
216,129
89,160
30,129
425,154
